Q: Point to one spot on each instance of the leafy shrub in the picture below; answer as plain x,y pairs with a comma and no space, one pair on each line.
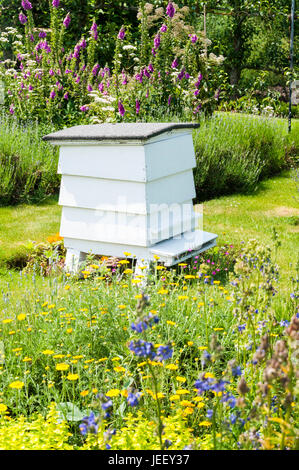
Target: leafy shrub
28,166
37,433
234,152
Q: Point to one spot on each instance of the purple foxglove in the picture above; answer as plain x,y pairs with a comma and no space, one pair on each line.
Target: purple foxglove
26,5
170,10
121,34
55,3
121,109
67,20
22,18
137,107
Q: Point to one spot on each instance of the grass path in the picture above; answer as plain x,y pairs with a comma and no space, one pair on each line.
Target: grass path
236,218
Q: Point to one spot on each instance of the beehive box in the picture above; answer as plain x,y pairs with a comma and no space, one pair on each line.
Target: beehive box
129,188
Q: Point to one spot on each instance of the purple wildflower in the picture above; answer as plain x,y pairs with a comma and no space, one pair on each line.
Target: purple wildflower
163,28
89,87
101,87
67,20
51,72
169,100
55,3
66,96
170,10
157,41
137,107
94,30
22,18
52,95
121,109
121,34
194,38
150,68
84,108
11,109
26,5
181,74
42,35
174,63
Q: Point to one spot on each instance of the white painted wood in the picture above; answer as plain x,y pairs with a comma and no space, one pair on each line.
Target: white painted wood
126,228
103,194
170,156
124,196
125,163
74,258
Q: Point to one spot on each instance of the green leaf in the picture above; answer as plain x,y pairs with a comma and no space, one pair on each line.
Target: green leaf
70,412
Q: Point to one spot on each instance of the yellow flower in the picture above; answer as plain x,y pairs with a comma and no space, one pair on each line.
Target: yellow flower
94,390
119,369
27,359
190,343
187,411
73,377
174,398
21,317
48,352
209,375
218,329
181,379
187,403
3,408
200,405
17,384
84,393
172,323
205,423
62,366
114,392
183,297
182,392
69,330
7,320
172,367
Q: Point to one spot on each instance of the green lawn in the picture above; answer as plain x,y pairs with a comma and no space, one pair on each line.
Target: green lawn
275,205
24,223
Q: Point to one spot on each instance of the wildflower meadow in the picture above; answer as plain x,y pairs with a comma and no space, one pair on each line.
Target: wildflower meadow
200,356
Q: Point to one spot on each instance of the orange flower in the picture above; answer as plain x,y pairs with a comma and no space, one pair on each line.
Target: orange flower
55,238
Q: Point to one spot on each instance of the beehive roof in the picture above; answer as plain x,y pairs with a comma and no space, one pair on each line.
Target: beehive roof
123,131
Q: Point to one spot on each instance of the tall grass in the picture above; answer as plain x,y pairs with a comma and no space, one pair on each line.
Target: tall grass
28,166
235,152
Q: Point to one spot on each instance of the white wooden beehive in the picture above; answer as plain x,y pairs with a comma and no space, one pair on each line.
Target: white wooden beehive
129,188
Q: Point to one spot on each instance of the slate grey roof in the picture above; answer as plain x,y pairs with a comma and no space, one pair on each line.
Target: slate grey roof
124,131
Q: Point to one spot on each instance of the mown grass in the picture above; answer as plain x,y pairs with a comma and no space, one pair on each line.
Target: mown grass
22,224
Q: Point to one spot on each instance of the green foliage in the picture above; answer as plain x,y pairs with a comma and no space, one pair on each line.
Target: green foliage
234,152
28,166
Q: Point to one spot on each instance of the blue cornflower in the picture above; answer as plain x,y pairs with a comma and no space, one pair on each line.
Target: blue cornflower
284,323
167,443
107,404
219,386
133,399
142,348
236,371
210,414
89,424
163,353
204,385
